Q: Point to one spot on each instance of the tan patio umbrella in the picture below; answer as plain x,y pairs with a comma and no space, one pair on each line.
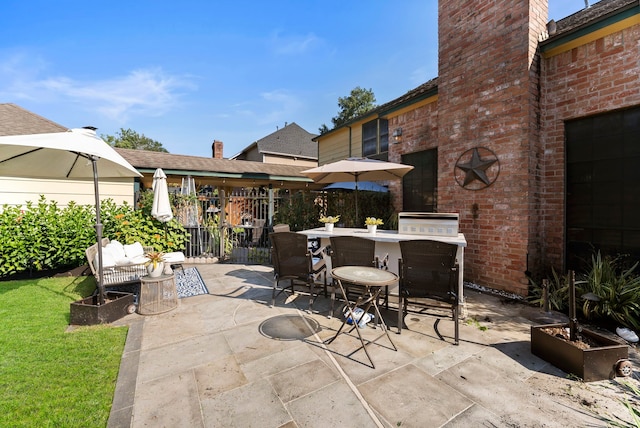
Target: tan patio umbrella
357,169
77,153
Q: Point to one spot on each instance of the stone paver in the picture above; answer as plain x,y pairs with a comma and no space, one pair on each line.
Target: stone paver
229,359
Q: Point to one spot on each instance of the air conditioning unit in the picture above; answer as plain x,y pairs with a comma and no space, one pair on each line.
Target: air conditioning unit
435,224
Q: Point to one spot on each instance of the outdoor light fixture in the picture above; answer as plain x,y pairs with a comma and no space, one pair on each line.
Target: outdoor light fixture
397,135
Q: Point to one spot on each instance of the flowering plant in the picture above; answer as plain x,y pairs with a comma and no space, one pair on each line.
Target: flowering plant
330,219
372,221
155,257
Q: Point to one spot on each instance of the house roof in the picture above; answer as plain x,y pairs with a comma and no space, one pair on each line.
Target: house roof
216,171
290,141
14,120
594,12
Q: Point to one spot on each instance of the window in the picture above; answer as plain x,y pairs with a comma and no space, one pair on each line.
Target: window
603,195
375,139
419,186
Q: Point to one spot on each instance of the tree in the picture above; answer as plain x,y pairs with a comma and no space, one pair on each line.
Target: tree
359,102
130,139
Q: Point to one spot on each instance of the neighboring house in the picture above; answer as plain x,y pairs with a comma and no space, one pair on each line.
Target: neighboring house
290,145
215,171
15,120
531,132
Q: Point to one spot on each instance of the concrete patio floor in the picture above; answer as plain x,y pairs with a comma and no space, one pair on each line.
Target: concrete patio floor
227,359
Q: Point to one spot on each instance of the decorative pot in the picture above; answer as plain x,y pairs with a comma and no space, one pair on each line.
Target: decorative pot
371,228
157,271
328,227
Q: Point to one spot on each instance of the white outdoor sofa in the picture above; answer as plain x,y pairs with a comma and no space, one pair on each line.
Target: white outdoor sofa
124,264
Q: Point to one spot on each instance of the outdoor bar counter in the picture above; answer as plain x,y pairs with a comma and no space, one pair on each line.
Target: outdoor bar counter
387,242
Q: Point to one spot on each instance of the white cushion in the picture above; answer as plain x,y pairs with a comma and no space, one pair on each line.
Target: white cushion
134,250
175,257
138,259
107,260
116,249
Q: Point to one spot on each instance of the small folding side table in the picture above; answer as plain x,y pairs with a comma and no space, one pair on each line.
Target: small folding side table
373,281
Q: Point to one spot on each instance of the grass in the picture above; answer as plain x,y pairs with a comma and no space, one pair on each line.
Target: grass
50,377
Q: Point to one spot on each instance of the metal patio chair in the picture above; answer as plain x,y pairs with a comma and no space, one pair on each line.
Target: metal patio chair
428,279
293,261
352,251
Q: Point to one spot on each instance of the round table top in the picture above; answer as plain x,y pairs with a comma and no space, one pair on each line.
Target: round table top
364,275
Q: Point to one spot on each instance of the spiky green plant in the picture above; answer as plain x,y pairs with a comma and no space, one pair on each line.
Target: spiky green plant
558,295
617,289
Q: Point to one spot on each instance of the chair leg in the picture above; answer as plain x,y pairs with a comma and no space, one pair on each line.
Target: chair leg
333,299
456,327
400,314
273,294
435,327
312,287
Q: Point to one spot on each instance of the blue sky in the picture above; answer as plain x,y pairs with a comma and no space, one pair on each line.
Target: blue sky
187,72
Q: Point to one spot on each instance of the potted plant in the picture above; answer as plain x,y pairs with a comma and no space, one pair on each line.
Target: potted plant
329,221
372,224
155,263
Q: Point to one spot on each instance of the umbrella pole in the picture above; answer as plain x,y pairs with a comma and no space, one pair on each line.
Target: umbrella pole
94,161
356,221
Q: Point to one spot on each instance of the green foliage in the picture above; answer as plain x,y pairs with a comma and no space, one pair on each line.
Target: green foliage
357,103
558,289
300,211
304,209
42,236
130,139
617,288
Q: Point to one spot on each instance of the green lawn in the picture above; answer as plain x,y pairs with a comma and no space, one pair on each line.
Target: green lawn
50,377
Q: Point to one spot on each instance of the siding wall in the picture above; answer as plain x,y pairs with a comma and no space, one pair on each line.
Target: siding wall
17,191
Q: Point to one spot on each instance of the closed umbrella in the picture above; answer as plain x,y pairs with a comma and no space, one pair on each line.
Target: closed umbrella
357,169
161,209
77,153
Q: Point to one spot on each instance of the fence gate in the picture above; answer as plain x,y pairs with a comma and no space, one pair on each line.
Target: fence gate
234,227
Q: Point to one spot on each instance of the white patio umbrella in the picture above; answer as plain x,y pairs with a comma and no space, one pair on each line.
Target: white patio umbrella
357,169
161,209
77,153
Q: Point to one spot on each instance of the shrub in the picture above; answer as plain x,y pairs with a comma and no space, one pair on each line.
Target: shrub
618,290
44,237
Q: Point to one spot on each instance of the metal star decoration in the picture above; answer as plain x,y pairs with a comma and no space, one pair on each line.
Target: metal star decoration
476,168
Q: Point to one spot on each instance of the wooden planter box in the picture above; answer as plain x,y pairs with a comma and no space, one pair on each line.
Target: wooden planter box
595,363
88,312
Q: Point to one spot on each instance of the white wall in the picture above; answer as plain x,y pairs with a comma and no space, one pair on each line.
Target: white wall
17,191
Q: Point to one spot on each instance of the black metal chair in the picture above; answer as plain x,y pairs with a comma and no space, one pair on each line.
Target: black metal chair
292,261
428,279
351,251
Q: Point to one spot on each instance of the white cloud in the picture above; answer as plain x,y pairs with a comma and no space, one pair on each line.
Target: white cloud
143,92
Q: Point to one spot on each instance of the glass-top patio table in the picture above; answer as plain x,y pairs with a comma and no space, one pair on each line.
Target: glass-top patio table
373,281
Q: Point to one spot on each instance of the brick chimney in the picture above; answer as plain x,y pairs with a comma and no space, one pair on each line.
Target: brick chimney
217,149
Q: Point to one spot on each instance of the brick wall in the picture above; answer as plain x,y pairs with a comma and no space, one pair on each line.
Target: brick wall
599,76
486,94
